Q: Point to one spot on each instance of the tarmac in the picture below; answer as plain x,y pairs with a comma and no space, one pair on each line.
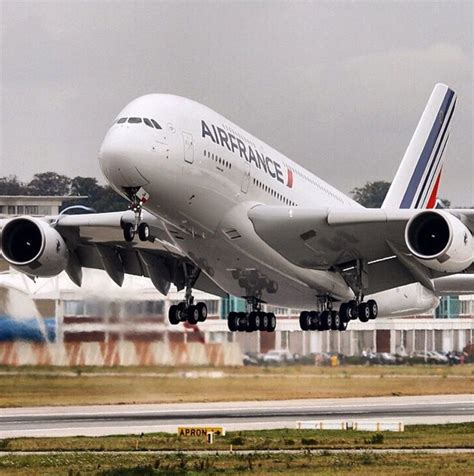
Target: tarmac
101,420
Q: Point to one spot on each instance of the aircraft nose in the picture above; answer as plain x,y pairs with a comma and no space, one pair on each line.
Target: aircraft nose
120,156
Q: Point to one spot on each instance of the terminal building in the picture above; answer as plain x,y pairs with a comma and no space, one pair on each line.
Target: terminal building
102,312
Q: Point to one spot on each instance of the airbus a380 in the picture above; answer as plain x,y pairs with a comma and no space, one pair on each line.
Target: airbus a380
214,208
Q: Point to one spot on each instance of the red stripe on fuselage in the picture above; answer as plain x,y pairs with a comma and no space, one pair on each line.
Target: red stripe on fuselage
290,179
434,193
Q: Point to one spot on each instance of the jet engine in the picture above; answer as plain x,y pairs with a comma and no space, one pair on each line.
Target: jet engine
33,247
440,241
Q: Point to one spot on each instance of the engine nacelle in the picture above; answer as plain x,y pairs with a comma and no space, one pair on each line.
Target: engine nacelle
33,247
440,241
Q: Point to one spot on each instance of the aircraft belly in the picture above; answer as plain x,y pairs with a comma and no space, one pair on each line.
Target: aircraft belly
241,263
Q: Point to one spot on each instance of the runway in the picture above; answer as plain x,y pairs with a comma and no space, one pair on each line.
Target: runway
135,419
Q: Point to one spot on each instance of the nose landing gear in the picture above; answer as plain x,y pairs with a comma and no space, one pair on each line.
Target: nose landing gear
137,196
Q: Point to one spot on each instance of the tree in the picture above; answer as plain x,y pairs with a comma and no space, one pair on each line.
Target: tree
109,201
11,186
49,183
372,194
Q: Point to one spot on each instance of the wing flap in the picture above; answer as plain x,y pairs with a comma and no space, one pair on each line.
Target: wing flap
322,239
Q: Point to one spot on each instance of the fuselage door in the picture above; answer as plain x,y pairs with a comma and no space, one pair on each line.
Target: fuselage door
188,147
246,179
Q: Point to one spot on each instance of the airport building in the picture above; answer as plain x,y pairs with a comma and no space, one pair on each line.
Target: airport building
134,317
15,205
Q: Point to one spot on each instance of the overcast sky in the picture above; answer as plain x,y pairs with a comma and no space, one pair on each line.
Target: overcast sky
337,87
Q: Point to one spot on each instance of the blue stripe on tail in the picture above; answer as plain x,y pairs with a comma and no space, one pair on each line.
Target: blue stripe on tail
427,150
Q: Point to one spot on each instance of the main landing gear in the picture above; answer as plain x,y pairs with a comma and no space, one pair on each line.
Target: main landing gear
187,311
253,320
138,197
329,319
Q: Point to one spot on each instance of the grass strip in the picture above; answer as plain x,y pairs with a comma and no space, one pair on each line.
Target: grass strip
414,437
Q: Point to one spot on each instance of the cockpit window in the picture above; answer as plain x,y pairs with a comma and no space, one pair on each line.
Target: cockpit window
156,124
147,122
121,120
134,120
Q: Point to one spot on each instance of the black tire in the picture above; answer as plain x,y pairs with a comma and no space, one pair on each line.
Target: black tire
373,308
326,320
128,232
263,321
344,310
304,323
232,321
336,320
272,322
343,325
173,315
314,321
192,315
181,311
364,312
242,321
353,310
202,310
143,232
254,321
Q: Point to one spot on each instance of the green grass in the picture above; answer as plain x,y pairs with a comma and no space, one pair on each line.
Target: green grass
31,387
258,464
417,436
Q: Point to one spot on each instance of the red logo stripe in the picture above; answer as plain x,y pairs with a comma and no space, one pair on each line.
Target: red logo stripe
290,179
434,193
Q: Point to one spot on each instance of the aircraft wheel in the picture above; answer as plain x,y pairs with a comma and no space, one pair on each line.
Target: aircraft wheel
202,310
173,316
345,312
128,232
326,320
143,231
364,312
263,321
314,321
254,320
272,322
181,311
336,320
304,322
343,325
241,321
232,321
192,314
373,308
352,309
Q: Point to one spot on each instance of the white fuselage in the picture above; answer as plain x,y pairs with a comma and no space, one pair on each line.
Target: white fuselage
203,173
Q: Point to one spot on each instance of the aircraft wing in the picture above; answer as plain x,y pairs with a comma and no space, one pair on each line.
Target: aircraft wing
333,239
96,241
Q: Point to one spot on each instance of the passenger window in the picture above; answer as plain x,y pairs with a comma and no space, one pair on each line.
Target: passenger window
148,122
122,120
134,120
157,126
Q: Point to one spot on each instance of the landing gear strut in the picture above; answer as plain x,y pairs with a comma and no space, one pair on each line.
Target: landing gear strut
137,196
253,320
187,310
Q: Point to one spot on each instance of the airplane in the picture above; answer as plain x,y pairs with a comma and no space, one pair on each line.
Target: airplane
214,208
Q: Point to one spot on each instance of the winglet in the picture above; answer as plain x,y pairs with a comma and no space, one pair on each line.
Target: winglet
417,180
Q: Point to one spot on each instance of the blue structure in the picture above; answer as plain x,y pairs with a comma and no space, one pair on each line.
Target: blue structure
26,329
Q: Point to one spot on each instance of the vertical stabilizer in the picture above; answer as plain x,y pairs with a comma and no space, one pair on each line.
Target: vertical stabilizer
417,180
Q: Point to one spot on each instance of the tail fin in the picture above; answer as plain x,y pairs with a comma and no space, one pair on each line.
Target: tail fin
416,183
